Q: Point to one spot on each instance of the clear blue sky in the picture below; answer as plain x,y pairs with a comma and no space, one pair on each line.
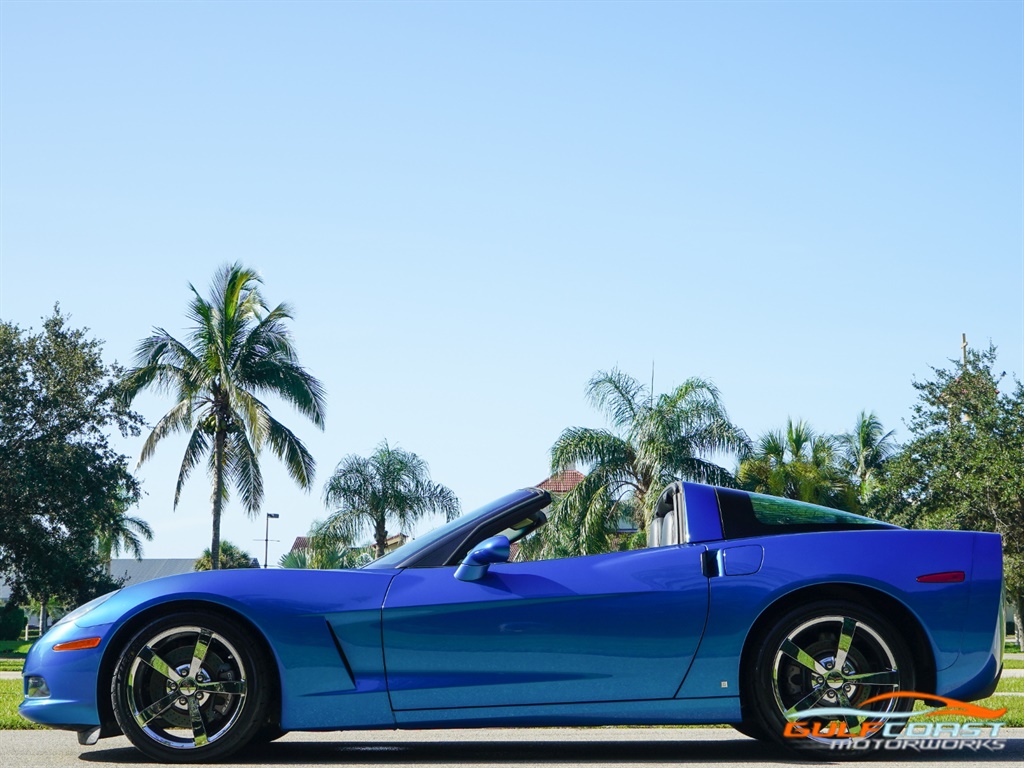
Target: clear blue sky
474,207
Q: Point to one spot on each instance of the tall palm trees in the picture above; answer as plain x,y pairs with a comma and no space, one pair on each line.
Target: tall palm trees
237,351
832,470
120,532
650,444
864,451
797,463
391,485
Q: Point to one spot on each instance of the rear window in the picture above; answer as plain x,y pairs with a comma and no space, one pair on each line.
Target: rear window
754,514
771,510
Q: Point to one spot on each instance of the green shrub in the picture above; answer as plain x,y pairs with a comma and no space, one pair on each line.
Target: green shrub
12,622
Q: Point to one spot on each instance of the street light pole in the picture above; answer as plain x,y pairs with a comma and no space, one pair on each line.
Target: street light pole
266,537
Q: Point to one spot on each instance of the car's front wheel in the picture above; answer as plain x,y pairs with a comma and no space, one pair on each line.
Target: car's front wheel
191,687
826,670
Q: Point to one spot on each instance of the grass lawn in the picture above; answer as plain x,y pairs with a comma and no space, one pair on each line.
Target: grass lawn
1011,685
12,655
13,648
1014,717
1013,664
11,692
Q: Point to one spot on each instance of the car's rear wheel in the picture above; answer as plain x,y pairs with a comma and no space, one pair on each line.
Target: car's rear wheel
267,734
752,729
191,687
828,656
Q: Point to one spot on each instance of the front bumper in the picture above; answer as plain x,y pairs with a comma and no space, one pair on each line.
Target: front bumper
71,676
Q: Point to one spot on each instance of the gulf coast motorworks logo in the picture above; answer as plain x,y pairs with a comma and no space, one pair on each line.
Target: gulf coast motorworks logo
864,728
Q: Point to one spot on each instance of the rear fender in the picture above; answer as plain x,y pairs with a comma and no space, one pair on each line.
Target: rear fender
879,561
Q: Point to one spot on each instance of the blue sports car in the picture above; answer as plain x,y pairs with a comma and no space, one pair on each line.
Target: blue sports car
743,609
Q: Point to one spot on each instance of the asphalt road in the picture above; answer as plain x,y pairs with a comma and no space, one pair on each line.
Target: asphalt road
566,747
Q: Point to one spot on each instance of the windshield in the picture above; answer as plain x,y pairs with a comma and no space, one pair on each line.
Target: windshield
468,521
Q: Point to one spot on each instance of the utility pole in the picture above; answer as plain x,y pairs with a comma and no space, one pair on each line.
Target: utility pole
963,347
266,537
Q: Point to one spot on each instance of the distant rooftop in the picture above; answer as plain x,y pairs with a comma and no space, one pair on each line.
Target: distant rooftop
133,571
562,482
138,571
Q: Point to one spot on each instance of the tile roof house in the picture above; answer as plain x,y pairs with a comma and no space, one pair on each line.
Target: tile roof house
562,482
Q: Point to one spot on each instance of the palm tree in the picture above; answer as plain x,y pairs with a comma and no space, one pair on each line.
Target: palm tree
118,532
237,351
295,558
797,463
325,552
391,485
651,443
324,558
230,557
863,452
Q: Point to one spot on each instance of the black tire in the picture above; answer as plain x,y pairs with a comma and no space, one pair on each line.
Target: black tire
192,687
752,729
267,734
794,668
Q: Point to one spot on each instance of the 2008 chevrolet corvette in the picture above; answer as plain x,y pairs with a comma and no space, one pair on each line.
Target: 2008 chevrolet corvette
744,609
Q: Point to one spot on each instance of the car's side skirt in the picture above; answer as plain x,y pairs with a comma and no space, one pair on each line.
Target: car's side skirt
724,709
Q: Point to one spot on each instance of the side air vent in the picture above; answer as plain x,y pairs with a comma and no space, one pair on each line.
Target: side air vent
341,653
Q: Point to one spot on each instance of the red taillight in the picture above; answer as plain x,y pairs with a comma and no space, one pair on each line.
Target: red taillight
946,577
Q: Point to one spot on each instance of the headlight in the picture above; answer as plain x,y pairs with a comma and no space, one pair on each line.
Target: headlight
81,610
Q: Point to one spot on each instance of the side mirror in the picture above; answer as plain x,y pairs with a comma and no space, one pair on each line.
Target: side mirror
474,566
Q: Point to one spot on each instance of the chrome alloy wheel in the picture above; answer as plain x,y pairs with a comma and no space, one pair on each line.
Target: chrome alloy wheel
186,687
835,662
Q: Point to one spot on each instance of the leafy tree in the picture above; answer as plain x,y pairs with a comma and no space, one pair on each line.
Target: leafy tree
963,467
230,557
237,351
651,443
390,486
797,463
864,451
59,477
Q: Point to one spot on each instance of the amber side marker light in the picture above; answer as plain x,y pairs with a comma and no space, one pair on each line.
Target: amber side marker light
946,577
78,645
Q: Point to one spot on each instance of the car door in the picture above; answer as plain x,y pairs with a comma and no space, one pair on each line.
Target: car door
612,627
